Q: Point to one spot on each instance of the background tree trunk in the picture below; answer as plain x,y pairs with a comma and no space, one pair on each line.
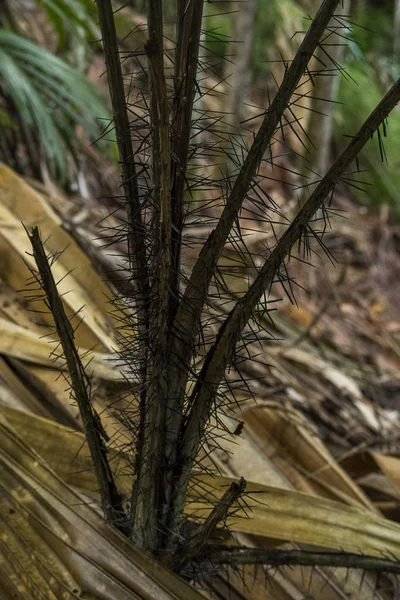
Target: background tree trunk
396,33
325,93
241,77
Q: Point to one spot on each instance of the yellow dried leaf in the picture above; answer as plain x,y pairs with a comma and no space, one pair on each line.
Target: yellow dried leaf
21,343
300,315
55,546
83,289
304,519
269,512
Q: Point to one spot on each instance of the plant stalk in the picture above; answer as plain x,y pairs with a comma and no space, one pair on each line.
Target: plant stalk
220,355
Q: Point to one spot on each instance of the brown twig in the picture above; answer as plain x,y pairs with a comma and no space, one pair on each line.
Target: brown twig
189,19
149,489
111,500
227,555
136,233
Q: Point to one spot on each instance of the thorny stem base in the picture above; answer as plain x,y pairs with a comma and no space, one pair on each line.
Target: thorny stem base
188,551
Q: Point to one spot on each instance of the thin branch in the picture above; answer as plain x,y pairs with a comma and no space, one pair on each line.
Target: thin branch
220,355
232,556
159,122
136,232
136,235
188,316
148,493
110,498
194,546
189,19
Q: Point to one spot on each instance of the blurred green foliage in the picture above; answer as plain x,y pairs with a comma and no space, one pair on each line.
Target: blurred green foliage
43,100
75,23
374,30
371,67
382,183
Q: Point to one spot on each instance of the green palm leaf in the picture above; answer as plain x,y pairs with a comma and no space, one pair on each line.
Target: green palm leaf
49,99
75,26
